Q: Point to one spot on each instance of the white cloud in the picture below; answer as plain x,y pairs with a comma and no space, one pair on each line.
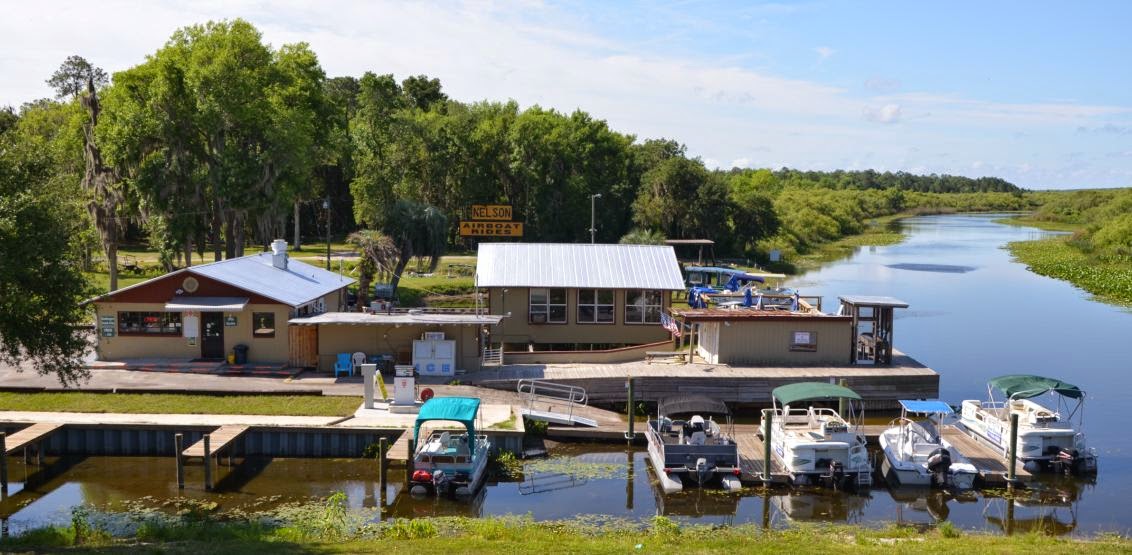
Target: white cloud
543,54
889,113
824,52
741,163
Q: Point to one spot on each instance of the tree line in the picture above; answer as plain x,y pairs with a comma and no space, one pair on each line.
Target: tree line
217,141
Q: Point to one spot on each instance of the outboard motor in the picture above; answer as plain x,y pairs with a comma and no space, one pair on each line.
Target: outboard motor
703,470
837,474
1067,461
441,482
939,462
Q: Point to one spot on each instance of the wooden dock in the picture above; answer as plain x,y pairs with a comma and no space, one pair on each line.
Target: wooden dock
28,436
218,440
990,463
752,458
399,451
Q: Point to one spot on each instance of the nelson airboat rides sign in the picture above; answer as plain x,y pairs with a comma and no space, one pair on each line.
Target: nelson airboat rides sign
491,220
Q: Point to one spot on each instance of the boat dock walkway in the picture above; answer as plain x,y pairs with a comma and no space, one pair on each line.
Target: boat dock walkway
28,436
218,439
988,461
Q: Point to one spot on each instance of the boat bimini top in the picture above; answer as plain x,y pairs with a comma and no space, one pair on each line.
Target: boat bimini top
689,404
927,407
810,391
1025,386
456,409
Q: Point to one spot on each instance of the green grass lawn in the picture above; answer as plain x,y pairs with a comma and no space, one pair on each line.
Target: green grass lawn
338,530
154,403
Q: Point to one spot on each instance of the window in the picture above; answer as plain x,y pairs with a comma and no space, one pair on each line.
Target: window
149,323
595,306
263,324
643,306
548,306
804,341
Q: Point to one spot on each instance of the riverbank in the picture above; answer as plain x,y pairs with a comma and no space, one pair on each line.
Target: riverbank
333,528
1055,257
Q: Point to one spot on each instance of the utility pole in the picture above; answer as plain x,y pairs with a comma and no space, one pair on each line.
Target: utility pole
326,206
593,228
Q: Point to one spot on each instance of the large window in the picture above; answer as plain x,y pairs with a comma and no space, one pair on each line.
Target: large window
149,323
595,306
643,306
263,324
548,306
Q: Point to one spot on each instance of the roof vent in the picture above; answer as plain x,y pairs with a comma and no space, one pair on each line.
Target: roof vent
279,254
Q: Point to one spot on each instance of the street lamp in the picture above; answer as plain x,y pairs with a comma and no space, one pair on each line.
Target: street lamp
593,228
326,206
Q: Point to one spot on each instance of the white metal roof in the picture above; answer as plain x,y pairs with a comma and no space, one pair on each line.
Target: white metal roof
400,318
578,265
208,304
873,300
298,284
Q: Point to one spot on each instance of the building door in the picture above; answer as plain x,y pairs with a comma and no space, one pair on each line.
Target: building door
212,335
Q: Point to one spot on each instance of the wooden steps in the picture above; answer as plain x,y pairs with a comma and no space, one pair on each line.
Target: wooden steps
218,439
29,435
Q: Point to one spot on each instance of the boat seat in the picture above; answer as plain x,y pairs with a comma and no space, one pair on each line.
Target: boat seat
698,438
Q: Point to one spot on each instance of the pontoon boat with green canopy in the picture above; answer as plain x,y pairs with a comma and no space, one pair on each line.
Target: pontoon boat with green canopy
1049,437
445,461
816,444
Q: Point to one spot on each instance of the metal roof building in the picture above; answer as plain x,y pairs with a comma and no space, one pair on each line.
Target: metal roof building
578,266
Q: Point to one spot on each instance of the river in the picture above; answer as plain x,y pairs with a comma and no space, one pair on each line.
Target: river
974,314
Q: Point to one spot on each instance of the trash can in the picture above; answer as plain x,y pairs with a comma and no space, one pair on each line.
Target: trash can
241,354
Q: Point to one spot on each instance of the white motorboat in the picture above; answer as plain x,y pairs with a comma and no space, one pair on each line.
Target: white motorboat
916,454
1048,438
695,451
816,445
446,462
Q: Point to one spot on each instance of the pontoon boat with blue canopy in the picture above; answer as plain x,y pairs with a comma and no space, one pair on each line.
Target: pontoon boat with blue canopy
447,462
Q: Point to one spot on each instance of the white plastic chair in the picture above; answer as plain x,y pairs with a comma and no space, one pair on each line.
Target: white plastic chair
358,360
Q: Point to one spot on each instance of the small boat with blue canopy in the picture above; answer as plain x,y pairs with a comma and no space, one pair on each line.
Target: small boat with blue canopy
916,454
1049,437
816,445
447,462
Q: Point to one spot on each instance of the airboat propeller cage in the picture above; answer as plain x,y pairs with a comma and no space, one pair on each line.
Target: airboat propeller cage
687,404
456,409
1025,386
807,391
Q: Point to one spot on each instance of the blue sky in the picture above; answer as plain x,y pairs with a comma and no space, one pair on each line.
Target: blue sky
1034,92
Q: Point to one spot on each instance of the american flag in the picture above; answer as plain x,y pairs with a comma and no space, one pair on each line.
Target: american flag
670,324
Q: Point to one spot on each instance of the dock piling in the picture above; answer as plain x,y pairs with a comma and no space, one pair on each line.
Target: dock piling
39,454
409,459
382,464
1012,459
842,402
4,462
629,480
629,435
768,420
207,464
179,446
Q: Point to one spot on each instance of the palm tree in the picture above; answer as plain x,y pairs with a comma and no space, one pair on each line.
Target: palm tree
418,230
379,254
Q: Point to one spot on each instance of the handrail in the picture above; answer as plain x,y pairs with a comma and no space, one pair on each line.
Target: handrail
553,391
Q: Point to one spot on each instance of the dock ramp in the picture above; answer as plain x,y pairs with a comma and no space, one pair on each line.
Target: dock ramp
553,403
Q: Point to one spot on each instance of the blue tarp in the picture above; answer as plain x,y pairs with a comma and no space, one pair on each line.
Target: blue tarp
927,407
457,409
740,279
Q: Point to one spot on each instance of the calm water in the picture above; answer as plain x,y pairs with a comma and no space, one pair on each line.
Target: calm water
974,315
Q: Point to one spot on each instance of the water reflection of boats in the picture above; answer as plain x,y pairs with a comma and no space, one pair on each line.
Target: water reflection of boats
696,503
406,505
1016,515
821,505
922,505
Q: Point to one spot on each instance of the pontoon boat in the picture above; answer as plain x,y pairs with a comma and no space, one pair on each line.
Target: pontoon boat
448,462
696,450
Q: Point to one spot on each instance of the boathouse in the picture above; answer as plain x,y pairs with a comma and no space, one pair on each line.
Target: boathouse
769,337
205,311
568,297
